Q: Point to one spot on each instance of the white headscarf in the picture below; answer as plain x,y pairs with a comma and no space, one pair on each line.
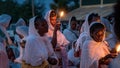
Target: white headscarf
106,24
71,35
4,22
22,30
84,33
20,22
37,48
61,40
91,53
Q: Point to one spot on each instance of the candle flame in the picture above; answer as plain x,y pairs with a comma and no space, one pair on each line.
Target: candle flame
61,13
118,48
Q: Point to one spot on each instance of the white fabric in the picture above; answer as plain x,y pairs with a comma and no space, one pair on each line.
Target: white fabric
20,22
37,48
70,36
106,23
84,34
91,52
21,30
4,62
4,22
72,58
111,38
61,40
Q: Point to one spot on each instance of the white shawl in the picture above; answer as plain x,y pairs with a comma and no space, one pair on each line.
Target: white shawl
91,53
37,48
61,40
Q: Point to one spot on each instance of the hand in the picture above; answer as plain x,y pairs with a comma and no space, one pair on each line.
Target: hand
57,26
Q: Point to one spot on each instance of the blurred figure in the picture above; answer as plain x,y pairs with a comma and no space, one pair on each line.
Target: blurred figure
71,32
116,62
22,31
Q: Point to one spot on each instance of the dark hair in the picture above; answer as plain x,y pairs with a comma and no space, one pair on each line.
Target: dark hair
96,27
91,16
117,19
73,18
39,19
53,13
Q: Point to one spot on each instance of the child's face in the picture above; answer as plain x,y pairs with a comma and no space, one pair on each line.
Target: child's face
98,35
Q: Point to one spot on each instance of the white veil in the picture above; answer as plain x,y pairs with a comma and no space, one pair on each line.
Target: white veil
61,40
37,48
91,53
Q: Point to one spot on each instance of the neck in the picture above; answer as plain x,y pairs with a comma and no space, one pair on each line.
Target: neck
41,34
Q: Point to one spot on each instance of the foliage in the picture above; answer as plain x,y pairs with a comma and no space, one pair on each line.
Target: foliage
17,11
64,5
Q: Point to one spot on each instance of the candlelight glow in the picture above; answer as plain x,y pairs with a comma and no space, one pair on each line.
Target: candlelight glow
118,48
61,13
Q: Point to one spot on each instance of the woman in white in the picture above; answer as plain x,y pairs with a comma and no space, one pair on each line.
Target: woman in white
37,48
22,31
94,48
84,35
71,33
56,37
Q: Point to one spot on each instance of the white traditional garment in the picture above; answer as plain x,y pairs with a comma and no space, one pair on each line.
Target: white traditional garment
111,38
20,22
4,62
71,35
23,31
37,48
84,35
91,52
4,23
61,41
72,58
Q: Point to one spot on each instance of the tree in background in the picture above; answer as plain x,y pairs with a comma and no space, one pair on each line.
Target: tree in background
66,5
16,10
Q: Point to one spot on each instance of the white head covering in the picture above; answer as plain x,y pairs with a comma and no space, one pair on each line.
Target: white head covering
4,22
37,48
91,53
106,24
20,22
61,40
22,30
85,25
84,33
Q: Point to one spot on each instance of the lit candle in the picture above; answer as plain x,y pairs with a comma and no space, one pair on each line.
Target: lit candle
118,48
61,14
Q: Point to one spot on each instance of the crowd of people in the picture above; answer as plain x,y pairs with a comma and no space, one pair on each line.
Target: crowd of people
42,44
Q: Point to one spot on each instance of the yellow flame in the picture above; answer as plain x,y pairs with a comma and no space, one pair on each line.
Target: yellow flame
118,48
61,13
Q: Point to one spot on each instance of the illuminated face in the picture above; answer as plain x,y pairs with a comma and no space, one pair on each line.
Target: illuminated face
98,35
53,20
